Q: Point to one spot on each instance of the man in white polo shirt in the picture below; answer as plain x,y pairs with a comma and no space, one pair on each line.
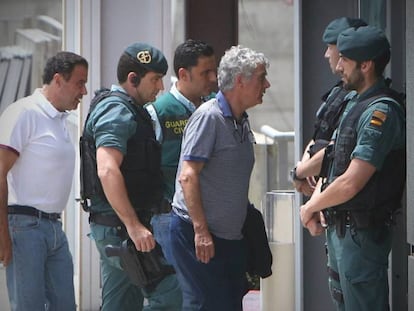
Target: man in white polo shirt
37,160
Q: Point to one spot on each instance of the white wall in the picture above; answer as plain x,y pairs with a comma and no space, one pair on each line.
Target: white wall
130,22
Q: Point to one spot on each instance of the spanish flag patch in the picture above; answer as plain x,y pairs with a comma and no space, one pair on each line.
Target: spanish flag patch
378,118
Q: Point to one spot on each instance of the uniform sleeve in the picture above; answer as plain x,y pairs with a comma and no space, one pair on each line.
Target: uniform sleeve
199,138
380,130
112,126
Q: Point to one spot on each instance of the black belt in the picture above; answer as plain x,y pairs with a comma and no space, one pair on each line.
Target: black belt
105,220
109,221
333,217
358,219
31,211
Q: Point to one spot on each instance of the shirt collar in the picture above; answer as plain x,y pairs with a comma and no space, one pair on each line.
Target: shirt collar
117,88
47,106
225,107
379,84
181,98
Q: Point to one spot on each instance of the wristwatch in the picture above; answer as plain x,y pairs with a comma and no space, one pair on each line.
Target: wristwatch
293,175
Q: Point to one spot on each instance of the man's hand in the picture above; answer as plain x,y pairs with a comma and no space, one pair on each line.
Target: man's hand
314,225
314,222
5,246
7,160
142,237
312,181
204,246
190,182
305,215
322,220
303,186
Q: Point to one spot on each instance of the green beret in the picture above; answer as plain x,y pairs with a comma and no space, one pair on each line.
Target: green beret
148,57
364,43
334,28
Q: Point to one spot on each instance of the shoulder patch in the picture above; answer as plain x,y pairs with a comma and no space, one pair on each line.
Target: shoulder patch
378,118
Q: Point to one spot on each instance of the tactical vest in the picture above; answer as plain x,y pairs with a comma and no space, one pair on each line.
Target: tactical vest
384,190
140,166
173,117
327,117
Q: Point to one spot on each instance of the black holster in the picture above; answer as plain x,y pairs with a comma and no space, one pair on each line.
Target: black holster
145,269
340,224
339,219
327,161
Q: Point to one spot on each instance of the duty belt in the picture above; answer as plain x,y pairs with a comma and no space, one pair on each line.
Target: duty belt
333,217
338,219
109,221
357,219
31,211
112,220
105,220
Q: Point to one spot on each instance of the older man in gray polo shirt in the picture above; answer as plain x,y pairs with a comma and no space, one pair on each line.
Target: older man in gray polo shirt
211,198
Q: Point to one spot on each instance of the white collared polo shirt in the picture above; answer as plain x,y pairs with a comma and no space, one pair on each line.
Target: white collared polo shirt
42,175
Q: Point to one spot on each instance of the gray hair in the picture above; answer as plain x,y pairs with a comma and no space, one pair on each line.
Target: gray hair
238,60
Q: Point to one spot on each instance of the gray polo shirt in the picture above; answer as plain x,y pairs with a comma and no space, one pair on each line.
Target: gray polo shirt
213,136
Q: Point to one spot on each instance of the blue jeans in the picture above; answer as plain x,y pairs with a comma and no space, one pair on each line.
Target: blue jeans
218,285
40,275
118,292
161,229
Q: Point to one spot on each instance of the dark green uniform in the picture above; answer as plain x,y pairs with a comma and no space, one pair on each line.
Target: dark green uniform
359,234
173,117
113,124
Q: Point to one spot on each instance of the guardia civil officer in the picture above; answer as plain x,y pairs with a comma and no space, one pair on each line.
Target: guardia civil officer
329,112
127,168
366,176
195,67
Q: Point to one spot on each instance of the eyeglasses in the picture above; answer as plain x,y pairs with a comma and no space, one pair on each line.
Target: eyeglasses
245,132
